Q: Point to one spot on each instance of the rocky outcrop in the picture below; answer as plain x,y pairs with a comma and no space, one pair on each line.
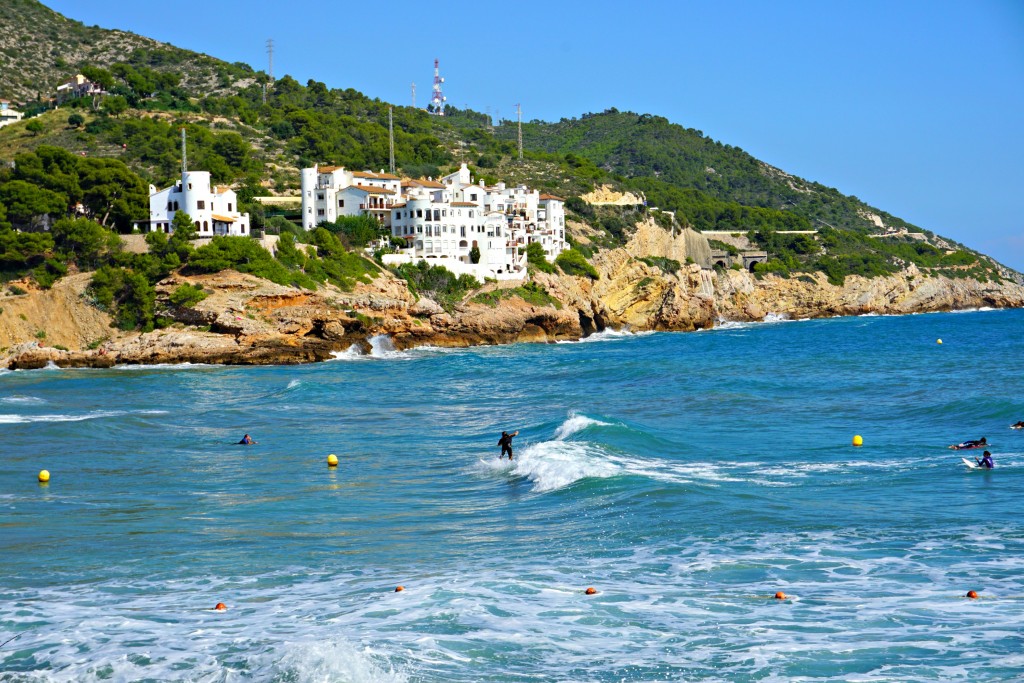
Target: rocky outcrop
245,320
740,296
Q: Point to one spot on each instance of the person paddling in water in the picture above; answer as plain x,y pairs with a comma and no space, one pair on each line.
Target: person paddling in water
1018,425
986,461
246,440
972,443
506,444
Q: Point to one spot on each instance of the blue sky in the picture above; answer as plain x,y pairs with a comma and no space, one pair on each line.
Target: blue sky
915,107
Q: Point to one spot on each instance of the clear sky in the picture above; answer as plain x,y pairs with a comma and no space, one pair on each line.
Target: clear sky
916,107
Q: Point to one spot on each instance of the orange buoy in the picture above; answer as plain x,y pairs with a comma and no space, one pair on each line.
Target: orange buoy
973,595
780,596
399,589
591,591
220,607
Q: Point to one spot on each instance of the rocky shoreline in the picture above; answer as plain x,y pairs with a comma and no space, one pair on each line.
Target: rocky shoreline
248,321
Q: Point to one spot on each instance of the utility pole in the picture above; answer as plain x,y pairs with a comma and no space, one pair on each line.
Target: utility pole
391,138
519,113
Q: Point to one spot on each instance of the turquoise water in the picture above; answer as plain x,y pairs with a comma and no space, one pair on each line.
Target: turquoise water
687,477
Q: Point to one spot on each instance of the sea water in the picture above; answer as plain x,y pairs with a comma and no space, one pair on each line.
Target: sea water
686,477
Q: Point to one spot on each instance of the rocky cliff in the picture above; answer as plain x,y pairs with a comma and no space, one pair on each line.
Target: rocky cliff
246,320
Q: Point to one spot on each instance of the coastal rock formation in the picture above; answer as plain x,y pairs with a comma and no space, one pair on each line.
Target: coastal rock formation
741,296
246,320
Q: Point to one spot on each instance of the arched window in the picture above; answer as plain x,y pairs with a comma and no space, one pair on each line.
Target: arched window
206,226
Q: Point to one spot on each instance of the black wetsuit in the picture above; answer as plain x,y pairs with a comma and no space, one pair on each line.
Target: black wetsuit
506,445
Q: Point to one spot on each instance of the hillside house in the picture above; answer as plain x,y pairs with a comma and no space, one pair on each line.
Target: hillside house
8,114
214,210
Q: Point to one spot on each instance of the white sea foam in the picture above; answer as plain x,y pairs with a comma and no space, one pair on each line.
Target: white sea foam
553,465
95,415
682,609
166,366
576,423
353,352
292,384
381,348
22,399
607,334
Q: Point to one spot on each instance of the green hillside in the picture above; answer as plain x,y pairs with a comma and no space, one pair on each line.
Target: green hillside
256,138
39,49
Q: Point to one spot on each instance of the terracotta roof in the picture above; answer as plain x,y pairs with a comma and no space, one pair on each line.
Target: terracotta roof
422,182
221,189
370,190
463,203
224,219
551,196
328,169
398,206
371,174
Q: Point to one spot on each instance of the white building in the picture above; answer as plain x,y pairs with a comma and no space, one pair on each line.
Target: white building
8,114
77,86
214,211
442,220
329,192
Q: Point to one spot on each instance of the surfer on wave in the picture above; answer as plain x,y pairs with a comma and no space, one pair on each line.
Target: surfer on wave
506,444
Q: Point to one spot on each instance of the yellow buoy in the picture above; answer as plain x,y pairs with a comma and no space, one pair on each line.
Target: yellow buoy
332,460
938,341
44,476
858,440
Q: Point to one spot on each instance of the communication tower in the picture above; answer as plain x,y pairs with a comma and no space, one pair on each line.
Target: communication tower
184,156
270,58
438,99
414,94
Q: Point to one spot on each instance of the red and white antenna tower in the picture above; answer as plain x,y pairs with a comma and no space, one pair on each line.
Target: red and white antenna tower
438,99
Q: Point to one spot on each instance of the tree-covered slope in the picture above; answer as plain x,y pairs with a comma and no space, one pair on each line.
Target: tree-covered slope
681,169
39,49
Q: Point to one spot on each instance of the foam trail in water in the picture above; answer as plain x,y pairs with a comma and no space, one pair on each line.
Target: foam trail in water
292,384
21,399
95,415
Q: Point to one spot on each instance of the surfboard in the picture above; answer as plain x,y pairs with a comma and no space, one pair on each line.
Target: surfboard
972,465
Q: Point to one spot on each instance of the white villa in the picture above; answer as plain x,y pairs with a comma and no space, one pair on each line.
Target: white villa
8,114
442,221
213,210
329,192
77,86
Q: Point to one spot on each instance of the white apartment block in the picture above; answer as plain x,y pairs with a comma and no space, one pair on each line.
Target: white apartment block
442,220
329,192
214,210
